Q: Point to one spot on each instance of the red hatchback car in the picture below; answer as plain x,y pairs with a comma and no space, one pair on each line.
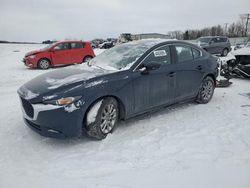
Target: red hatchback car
60,53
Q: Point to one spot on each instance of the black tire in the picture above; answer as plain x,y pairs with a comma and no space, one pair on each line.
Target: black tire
43,64
206,91
105,120
224,52
87,59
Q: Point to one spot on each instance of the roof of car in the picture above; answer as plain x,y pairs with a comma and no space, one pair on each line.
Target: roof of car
214,36
152,41
155,43
159,42
70,41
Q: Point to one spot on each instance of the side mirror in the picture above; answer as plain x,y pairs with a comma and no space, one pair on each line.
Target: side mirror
146,68
152,65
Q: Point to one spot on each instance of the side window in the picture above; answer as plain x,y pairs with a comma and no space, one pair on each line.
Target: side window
76,45
214,40
196,53
160,55
218,40
62,46
223,39
184,53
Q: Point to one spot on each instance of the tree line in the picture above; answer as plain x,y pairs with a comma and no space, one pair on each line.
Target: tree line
235,29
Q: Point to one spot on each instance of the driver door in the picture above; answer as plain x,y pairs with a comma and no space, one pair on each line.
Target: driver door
154,87
61,54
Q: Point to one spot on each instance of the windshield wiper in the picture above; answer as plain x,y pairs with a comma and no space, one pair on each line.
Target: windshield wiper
96,66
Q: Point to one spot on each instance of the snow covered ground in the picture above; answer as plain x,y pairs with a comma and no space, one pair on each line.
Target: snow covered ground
184,146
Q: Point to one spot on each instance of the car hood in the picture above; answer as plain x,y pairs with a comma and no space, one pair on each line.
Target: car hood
33,52
58,81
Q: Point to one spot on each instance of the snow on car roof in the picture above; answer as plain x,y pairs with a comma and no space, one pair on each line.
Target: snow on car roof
149,42
152,40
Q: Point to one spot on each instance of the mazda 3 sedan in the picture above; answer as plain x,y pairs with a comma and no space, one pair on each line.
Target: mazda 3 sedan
125,81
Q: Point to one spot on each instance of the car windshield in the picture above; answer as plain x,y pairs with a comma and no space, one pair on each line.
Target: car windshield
204,39
48,46
122,57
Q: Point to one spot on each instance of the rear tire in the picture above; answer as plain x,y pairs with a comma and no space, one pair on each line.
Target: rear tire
43,64
106,118
206,91
87,59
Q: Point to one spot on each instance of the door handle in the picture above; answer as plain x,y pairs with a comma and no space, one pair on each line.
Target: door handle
199,67
171,74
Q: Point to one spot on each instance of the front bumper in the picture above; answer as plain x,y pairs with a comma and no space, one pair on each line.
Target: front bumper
27,62
54,122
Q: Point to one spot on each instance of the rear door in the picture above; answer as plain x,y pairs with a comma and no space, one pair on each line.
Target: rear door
157,86
76,52
213,45
189,71
223,44
61,54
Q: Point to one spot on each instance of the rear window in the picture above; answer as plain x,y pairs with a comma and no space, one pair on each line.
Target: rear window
220,39
223,39
196,53
184,53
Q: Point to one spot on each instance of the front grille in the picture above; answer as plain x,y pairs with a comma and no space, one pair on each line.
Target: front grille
27,107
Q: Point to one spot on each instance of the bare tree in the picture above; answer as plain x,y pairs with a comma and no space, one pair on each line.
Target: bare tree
176,34
236,29
245,19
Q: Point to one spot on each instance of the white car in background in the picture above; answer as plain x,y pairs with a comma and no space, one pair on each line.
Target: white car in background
237,63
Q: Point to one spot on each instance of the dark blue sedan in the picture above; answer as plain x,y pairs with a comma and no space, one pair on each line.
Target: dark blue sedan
125,81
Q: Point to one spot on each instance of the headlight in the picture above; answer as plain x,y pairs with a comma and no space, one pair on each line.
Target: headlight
31,56
219,62
63,101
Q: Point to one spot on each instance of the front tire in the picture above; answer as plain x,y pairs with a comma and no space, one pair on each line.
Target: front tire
206,90
102,118
43,64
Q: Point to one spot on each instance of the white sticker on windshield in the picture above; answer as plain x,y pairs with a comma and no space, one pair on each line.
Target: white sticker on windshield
160,53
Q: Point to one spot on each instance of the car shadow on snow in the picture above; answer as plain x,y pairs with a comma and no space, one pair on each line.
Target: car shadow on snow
166,110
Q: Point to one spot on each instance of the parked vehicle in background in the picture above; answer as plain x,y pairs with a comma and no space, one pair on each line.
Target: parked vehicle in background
240,45
60,53
124,37
93,45
106,45
215,44
122,82
245,43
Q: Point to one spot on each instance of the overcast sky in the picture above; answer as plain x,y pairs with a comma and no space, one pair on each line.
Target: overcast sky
38,20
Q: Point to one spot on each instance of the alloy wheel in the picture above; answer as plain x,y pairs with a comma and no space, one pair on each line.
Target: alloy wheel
44,64
207,90
108,118
87,59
